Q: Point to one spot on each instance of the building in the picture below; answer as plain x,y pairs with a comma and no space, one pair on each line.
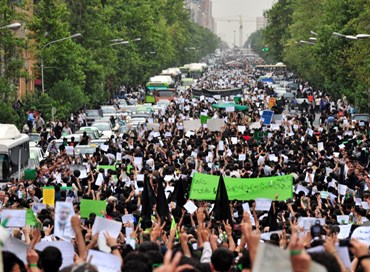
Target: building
26,84
201,13
261,22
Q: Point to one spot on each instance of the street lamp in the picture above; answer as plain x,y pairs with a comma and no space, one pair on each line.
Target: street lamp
313,33
12,26
122,42
42,59
351,37
338,34
362,36
306,42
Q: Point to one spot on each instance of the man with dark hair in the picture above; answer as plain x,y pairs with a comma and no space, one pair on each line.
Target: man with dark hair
221,260
50,259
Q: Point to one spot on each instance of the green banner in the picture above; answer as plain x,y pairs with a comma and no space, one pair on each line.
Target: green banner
88,206
203,119
204,187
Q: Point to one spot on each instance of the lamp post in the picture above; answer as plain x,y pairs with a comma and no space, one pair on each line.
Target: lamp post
42,59
121,41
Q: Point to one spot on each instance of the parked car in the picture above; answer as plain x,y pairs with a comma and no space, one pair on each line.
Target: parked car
92,115
34,138
361,117
105,128
292,87
92,132
36,156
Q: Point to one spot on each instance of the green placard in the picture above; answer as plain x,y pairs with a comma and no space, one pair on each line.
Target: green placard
30,218
203,119
204,187
88,206
112,167
30,174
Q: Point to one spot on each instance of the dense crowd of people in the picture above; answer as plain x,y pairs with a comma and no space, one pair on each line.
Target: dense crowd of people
328,160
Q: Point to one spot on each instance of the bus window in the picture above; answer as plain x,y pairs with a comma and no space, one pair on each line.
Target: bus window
4,167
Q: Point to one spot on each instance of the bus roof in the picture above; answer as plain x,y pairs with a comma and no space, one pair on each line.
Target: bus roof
9,131
6,144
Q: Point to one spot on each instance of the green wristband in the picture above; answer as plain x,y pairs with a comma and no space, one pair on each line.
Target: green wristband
295,252
32,265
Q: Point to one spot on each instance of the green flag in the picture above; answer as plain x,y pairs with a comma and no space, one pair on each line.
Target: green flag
30,218
204,118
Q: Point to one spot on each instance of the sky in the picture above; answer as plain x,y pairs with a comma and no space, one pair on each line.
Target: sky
229,12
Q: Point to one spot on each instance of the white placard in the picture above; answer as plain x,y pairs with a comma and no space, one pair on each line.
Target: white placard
62,220
255,125
190,207
234,140
221,146
215,124
242,157
303,189
263,204
138,161
65,248
127,218
16,218
17,247
104,147
113,228
362,234
38,207
99,180
342,189
274,127
365,205
192,125
241,129
307,222
343,219
105,262
320,146
140,177
118,156
344,232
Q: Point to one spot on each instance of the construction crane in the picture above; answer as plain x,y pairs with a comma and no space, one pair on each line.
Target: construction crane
232,19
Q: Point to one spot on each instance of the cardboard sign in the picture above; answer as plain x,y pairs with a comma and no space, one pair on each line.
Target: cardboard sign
215,124
48,196
192,125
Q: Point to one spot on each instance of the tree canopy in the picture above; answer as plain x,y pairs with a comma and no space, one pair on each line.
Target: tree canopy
338,65
87,70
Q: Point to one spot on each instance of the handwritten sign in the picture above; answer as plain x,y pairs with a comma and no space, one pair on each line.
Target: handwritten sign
204,187
362,234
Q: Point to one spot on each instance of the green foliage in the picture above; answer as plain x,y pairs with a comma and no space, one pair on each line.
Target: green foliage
338,65
86,71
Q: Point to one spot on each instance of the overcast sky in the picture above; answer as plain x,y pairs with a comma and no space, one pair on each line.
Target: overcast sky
231,10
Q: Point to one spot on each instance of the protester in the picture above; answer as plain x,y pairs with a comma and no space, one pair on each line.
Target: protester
146,186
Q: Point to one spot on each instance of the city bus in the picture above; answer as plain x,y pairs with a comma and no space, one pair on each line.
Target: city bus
14,152
159,87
